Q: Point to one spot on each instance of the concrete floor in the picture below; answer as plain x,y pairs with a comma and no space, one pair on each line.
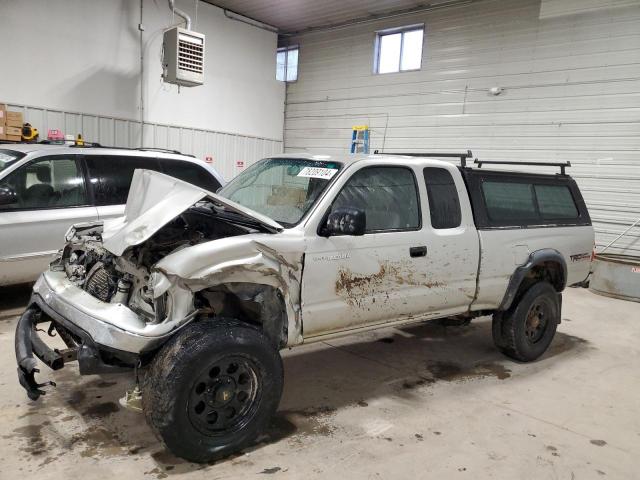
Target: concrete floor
397,403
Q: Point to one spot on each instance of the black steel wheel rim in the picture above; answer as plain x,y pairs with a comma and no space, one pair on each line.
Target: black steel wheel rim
224,397
537,321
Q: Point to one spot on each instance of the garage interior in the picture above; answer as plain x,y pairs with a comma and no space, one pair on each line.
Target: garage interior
511,80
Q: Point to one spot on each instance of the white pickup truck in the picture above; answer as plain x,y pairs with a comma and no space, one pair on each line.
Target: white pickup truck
200,290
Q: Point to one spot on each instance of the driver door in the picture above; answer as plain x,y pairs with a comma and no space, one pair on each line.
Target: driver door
352,281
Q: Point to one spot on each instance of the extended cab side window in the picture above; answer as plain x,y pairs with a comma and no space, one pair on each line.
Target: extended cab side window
50,182
388,196
444,204
111,175
190,173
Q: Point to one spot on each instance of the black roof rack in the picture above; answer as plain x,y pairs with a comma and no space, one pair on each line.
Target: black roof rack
153,149
85,144
62,143
70,143
537,164
462,156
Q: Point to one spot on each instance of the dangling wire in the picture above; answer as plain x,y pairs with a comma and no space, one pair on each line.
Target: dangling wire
135,371
196,22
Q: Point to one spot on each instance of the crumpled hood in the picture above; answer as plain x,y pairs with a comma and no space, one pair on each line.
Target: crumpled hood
154,200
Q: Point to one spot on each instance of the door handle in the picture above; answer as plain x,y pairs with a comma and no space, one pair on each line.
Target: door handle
418,251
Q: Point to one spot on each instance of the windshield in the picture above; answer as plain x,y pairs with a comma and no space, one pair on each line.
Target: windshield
8,158
283,189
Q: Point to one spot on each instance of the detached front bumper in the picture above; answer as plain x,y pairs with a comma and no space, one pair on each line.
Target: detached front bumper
27,344
102,337
80,346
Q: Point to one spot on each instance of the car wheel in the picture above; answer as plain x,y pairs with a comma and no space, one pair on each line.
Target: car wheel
212,389
527,329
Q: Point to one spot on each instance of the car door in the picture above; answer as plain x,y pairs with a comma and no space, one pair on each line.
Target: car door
354,281
418,258
51,195
110,179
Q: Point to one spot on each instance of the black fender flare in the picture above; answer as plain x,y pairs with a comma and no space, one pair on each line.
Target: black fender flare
535,258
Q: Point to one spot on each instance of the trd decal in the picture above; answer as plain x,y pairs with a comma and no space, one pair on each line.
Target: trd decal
579,256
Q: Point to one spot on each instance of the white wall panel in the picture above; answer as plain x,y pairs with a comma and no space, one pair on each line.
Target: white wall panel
225,148
571,79
554,8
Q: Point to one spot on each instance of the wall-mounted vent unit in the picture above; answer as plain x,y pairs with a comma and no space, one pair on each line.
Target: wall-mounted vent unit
183,59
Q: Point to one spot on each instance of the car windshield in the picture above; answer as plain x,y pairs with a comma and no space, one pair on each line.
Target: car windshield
283,189
8,158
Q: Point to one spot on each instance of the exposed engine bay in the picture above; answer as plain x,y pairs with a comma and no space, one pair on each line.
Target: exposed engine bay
126,279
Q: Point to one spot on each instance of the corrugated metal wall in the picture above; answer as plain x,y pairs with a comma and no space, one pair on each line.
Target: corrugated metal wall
571,92
225,148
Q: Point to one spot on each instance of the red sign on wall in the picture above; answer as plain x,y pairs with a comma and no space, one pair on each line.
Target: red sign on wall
240,163
208,159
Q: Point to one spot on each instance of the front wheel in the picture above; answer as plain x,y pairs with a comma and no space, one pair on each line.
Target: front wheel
212,389
527,329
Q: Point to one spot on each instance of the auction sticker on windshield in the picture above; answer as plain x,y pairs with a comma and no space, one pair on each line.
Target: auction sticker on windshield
317,172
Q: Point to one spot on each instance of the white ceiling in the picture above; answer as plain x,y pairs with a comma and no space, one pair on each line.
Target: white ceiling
296,15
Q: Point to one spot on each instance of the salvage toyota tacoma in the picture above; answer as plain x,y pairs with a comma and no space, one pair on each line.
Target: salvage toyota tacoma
199,291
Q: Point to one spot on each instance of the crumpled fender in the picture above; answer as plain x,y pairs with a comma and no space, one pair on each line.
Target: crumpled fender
274,260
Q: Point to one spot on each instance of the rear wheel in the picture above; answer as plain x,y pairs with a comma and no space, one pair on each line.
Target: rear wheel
527,329
212,389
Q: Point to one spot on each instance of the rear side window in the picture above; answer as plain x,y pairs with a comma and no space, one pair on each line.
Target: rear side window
523,203
111,176
555,201
190,173
444,204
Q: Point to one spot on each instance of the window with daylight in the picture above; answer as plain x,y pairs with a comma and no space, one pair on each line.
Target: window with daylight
287,64
399,49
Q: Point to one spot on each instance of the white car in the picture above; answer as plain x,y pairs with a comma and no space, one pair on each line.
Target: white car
44,189
201,290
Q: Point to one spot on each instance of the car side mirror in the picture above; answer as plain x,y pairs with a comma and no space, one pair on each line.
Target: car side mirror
8,196
346,221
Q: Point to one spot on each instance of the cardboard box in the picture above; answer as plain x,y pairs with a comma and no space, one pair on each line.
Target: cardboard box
13,138
9,130
14,119
3,113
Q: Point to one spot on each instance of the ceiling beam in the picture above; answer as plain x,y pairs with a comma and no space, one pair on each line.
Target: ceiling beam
433,5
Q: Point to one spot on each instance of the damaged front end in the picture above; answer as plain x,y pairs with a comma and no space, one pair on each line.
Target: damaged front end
118,291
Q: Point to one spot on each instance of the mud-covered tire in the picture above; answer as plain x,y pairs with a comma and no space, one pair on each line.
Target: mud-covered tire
496,330
173,389
526,330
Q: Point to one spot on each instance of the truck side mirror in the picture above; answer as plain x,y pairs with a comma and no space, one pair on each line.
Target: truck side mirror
7,195
346,221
